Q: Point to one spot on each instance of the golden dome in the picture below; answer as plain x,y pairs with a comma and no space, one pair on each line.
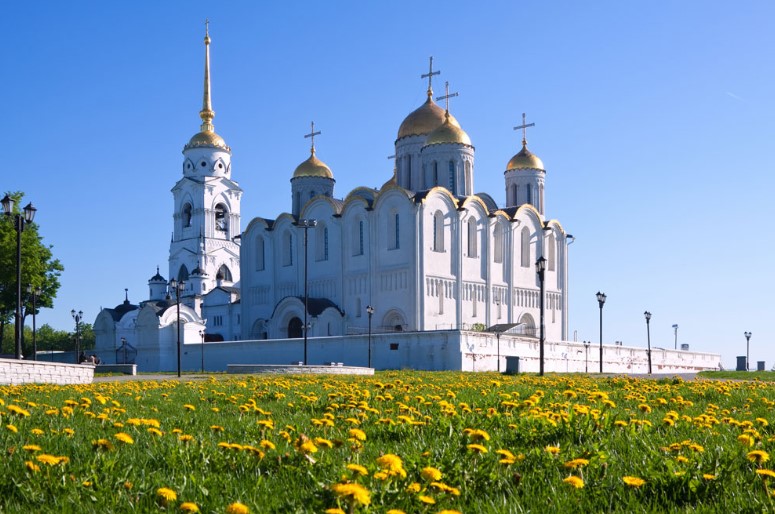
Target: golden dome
207,138
448,133
525,160
313,167
424,120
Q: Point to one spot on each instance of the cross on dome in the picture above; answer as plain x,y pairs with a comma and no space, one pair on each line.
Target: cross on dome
447,96
312,135
430,75
524,128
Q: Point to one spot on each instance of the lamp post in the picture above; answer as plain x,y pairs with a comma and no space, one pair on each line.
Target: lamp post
648,337
586,356
675,330
370,312
35,292
123,345
747,346
540,268
202,335
19,220
178,288
77,316
601,301
306,224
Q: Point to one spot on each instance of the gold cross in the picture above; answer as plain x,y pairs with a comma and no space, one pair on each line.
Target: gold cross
207,26
430,75
524,128
312,135
446,96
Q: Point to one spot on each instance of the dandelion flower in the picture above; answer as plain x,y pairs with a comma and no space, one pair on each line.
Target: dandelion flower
355,493
12,428
574,481
189,407
746,439
414,487
766,473
166,495
426,499
185,438
357,434
334,511
477,448
237,508
395,511
36,431
124,438
576,463
308,447
50,460
390,462
358,469
758,456
554,450
633,481
189,507
31,466
267,445
431,474
31,448
708,476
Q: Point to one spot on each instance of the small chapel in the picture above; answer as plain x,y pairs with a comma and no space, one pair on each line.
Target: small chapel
423,253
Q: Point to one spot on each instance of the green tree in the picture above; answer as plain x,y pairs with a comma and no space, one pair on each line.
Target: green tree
39,269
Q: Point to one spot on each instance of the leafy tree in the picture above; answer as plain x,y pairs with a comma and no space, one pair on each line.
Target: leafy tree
39,269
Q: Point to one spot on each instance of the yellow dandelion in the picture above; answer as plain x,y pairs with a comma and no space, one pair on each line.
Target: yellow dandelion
758,456
620,423
323,443
155,431
267,445
51,460
644,408
31,448
216,428
36,431
430,474
358,469
124,438
31,466
166,495
357,434
390,462
576,463
334,511
765,473
745,439
68,431
12,428
237,508
476,448
574,481
189,407
708,476
413,488
554,450
189,507
426,499
633,481
308,447
395,511
355,493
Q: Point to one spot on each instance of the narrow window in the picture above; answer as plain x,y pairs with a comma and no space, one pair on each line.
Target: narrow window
325,243
260,253
187,215
552,253
224,273
360,237
529,195
469,181
435,174
408,171
513,195
472,249
393,232
452,177
287,249
221,218
525,247
498,243
438,232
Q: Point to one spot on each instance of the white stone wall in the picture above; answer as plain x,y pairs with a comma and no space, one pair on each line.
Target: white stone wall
16,372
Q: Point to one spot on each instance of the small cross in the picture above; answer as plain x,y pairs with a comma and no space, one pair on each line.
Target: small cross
430,75
446,96
391,156
524,127
207,26
312,135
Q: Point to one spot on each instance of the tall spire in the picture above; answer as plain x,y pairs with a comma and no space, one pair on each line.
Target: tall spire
207,114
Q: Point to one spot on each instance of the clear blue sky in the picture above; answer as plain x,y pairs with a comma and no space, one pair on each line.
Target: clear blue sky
654,121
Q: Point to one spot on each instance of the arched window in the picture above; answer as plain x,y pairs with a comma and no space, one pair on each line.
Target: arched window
321,243
358,307
408,172
221,218
529,195
469,181
357,239
260,264
497,243
224,273
435,173
393,231
513,194
525,247
438,232
287,248
182,273
472,247
452,178
186,215
294,328
551,250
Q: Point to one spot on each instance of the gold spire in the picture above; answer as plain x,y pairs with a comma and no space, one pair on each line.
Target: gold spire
207,114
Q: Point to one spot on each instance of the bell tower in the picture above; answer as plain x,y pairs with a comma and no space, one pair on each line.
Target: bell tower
203,253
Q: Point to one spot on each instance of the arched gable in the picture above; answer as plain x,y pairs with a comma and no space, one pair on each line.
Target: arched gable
474,202
320,202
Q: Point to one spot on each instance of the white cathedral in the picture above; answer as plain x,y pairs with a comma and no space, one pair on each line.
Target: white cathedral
421,254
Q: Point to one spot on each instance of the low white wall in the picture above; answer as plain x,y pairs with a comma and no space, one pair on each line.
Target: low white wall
439,350
16,372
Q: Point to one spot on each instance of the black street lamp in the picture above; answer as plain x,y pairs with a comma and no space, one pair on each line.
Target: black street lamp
35,293
178,287
648,337
202,335
675,330
370,312
540,268
601,300
77,316
306,224
586,356
19,220
747,346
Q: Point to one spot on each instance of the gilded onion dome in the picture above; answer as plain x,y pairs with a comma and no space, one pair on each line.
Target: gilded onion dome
207,137
313,167
424,120
448,132
525,159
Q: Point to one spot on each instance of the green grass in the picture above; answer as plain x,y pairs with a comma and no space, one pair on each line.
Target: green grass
688,441
739,375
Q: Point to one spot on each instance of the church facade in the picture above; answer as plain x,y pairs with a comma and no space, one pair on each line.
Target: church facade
424,252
